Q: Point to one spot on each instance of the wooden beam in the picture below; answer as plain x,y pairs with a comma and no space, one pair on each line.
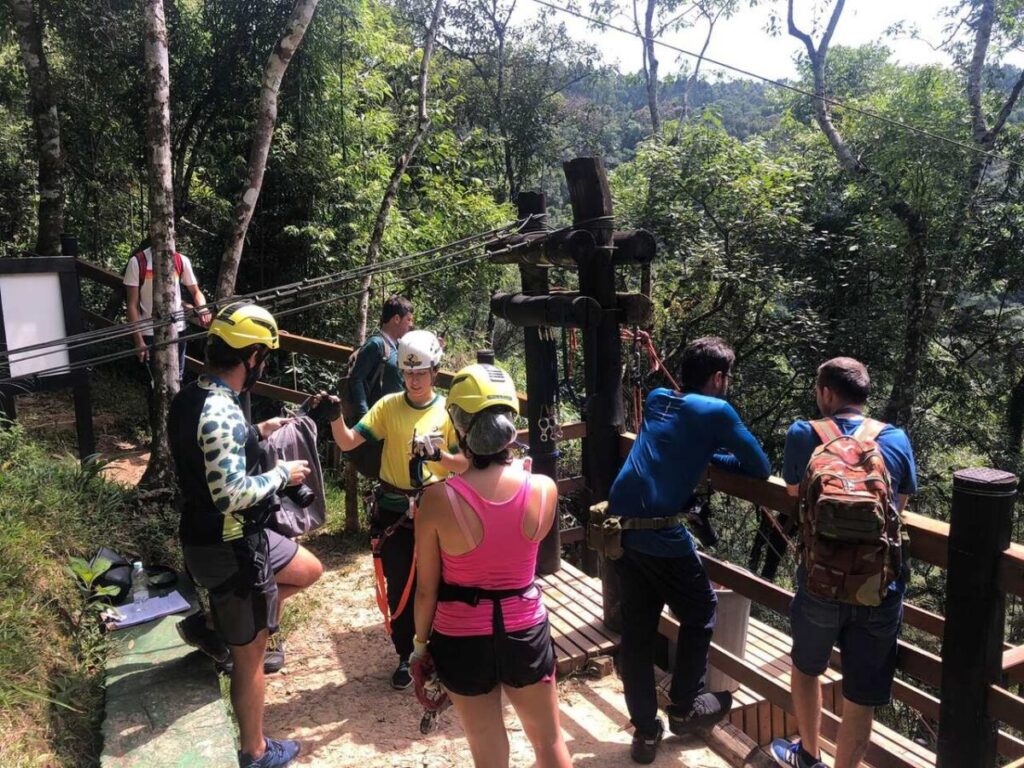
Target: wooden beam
557,311
99,274
1011,570
1006,707
324,350
569,485
543,249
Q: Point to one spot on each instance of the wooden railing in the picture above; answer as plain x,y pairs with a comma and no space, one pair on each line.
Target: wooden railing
929,543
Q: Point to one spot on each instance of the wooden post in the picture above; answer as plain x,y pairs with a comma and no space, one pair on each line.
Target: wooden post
81,392
980,526
592,211
485,356
541,387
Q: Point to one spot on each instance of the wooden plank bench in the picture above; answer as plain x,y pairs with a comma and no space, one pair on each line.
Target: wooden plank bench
573,600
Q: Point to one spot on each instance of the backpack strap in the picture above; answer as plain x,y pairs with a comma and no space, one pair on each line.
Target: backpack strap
140,258
826,430
869,429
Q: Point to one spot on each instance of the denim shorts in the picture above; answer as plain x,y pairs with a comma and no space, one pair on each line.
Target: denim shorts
866,637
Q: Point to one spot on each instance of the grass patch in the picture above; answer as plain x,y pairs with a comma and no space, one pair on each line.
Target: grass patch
51,650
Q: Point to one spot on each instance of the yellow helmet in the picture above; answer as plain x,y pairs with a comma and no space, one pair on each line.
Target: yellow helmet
477,387
243,324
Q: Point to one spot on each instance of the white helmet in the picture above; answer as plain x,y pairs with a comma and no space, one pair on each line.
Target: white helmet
418,350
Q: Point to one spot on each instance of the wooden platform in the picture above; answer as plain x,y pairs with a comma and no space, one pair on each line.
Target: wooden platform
573,600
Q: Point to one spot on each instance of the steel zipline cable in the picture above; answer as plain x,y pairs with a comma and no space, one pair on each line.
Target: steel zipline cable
269,295
125,353
785,86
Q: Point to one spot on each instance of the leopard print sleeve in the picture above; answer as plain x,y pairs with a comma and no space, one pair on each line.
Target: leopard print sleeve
222,433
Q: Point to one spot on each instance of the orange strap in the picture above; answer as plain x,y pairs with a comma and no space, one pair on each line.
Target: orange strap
380,587
826,429
869,429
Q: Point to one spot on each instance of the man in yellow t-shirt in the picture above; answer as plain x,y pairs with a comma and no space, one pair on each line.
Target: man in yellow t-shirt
420,448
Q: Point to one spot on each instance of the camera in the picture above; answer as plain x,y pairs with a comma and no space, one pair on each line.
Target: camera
300,495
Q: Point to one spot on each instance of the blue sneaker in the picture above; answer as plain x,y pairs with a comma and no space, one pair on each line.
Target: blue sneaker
790,753
279,753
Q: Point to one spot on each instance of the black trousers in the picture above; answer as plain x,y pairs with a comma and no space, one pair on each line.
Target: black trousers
648,584
397,560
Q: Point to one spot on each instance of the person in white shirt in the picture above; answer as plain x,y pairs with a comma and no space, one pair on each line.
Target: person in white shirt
138,283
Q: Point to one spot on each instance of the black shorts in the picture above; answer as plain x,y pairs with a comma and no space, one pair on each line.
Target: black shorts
240,579
473,666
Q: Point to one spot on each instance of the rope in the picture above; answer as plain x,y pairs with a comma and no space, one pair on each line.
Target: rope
264,297
656,362
110,357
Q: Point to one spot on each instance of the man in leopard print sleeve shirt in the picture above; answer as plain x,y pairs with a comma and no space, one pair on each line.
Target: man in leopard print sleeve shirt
225,508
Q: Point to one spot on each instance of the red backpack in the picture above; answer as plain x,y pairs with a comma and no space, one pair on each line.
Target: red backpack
140,259
850,530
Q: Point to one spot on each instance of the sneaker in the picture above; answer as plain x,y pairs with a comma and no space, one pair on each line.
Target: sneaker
706,710
401,679
273,660
791,754
193,631
279,753
273,657
645,745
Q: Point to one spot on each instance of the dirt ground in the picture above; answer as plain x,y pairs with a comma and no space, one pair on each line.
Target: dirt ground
333,695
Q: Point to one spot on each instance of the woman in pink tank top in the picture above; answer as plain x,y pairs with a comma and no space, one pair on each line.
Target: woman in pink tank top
476,602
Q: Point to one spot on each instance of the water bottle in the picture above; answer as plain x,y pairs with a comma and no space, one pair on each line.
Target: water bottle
140,583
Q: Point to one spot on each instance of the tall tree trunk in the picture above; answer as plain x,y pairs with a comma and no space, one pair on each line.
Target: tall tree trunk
373,248
160,472
47,127
651,67
273,73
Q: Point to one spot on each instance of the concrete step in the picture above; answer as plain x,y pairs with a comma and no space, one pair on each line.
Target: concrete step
163,703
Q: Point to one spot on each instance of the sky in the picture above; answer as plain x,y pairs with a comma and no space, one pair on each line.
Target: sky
743,41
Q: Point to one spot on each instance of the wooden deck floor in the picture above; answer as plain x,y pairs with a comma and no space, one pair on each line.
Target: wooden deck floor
574,605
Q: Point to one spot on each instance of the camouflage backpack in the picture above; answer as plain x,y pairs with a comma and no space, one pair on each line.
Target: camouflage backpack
850,531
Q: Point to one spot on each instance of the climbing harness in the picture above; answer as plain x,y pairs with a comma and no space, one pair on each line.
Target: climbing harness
377,542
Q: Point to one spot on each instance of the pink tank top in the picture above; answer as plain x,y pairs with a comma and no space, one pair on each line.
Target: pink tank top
504,559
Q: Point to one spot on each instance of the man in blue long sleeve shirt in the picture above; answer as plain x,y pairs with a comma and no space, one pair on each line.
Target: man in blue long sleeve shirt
682,432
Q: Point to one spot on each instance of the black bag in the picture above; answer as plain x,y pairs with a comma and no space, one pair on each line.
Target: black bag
118,575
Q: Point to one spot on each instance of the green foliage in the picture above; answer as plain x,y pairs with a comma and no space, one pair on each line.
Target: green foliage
52,511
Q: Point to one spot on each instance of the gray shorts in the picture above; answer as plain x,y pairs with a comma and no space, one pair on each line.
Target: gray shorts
240,579
282,550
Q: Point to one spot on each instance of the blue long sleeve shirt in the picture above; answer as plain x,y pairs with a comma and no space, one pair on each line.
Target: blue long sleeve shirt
682,433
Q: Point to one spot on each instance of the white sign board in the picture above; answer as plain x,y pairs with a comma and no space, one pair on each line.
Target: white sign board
33,314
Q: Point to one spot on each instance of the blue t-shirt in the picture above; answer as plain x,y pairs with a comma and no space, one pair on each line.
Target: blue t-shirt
681,434
801,440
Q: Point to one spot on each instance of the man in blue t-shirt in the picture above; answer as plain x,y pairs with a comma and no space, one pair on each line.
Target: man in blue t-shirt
866,636
682,432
